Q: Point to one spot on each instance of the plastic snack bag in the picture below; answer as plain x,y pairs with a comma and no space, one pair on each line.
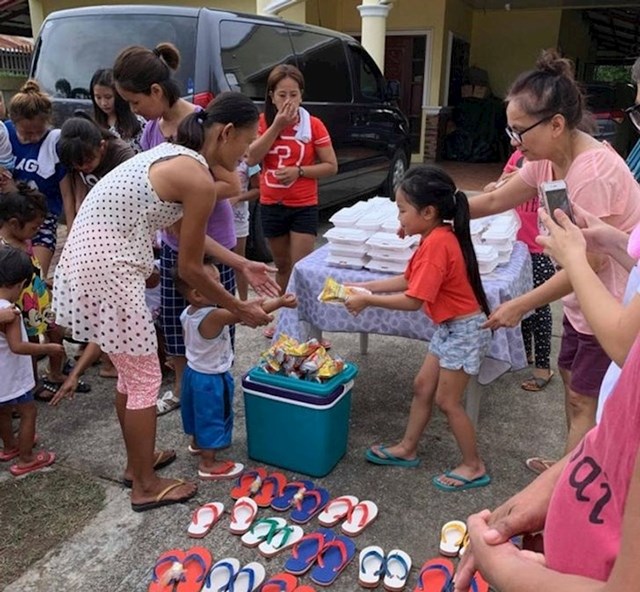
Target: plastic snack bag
334,292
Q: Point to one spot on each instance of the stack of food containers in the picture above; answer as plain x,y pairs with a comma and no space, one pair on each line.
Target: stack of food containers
390,253
493,238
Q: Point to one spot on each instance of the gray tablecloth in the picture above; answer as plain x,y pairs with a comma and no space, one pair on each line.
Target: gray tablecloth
506,282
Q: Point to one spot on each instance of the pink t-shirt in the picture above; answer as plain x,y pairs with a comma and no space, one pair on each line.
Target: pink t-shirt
600,182
583,527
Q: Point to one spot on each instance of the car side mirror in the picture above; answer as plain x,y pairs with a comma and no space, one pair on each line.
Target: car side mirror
393,90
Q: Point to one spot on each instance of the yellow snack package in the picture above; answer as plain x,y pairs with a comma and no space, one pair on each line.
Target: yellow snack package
333,292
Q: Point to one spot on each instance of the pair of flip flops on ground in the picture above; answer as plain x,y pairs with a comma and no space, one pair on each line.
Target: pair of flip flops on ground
228,575
324,553
454,539
181,571
437,575
256,483
393,568
41,460
357,515
272,536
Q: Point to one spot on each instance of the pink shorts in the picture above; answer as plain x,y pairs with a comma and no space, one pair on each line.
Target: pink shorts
139,377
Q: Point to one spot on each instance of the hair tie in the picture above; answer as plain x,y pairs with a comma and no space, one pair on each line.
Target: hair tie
202,116
157,52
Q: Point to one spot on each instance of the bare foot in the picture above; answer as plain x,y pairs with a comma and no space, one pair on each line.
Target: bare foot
162,458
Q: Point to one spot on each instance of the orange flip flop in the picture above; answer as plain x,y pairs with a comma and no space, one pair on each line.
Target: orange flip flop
196,565
435,574
166,571
248,483
280,582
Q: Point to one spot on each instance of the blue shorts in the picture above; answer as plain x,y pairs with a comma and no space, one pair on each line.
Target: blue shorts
206,405
47,235
26,398
461,344
172,303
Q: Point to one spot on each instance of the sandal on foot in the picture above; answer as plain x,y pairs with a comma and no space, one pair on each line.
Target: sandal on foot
536,383
227,470
465,483
48,388
384,457
538,465
168,402
163,459
41,460
161,499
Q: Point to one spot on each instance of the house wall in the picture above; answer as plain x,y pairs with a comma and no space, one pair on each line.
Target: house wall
505,43
574,40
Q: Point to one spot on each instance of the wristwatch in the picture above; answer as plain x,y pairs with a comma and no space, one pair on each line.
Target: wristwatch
300,171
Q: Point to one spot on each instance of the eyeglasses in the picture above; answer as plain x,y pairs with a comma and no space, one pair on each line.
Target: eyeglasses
516,136
634,115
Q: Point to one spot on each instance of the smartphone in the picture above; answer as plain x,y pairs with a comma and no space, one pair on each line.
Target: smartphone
555,196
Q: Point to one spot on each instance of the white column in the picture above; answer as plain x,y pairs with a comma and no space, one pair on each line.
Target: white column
274,7
36,13
374,29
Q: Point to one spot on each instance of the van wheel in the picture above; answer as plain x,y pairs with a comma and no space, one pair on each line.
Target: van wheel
257,247
396,171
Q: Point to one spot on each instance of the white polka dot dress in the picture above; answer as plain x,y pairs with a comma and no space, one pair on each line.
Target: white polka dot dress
99,283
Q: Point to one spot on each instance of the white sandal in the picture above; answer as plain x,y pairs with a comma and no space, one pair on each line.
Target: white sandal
168,402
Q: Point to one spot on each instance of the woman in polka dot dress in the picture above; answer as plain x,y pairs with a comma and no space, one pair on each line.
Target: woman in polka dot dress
100,280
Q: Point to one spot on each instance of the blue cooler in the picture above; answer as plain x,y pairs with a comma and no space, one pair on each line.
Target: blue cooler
296,430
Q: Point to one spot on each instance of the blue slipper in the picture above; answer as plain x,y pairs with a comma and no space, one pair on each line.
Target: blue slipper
310,504
482,481
285,500
333,558
389,459
306,551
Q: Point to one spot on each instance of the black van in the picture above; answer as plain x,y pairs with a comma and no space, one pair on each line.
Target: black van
223,50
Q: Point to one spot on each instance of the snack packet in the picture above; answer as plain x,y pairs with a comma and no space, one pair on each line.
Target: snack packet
334,292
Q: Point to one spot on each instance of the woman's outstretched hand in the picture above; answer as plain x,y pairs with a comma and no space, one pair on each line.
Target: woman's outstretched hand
257,274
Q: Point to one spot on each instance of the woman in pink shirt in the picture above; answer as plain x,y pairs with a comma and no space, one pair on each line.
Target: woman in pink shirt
544,111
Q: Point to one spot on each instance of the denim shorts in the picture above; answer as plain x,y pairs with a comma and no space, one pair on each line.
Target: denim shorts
26,398
461,343
280,220
47,235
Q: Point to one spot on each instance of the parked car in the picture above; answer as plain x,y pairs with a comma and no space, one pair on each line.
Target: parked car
607,102
223,50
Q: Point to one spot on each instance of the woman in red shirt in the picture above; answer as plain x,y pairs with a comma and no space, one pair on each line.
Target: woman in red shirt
295,151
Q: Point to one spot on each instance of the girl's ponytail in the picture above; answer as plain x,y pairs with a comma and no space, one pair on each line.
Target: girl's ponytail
461,229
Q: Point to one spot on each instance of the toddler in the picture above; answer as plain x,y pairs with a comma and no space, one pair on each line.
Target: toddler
207,384
16,388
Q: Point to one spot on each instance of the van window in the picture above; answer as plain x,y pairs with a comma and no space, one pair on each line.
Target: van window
368,79
249,53
72,49
323,63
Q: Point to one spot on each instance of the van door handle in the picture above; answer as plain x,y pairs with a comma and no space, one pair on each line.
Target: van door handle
358,119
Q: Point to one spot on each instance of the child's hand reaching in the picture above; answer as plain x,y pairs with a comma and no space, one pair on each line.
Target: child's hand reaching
357,303
8,314
289,300
66,391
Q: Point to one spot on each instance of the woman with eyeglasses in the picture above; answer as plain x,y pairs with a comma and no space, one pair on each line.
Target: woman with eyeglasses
545,108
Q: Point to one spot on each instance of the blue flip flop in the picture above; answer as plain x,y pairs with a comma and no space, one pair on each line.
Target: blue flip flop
311,504
283,502
390,459
333,558
306,550
482,481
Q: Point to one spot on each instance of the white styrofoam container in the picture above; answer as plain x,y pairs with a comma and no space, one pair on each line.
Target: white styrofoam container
372,220
347,262
347,236
391,241
487,256
347,217
391,225
342,250
386,266
504,254
391,255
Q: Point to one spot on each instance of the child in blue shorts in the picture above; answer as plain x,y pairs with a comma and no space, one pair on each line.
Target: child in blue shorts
16,389
207,384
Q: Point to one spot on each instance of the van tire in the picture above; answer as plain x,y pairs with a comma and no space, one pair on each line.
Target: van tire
397,170
257,247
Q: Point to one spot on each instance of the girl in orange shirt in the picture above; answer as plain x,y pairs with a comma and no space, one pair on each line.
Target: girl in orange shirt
442,278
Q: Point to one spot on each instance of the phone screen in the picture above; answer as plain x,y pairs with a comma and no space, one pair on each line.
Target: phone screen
558,199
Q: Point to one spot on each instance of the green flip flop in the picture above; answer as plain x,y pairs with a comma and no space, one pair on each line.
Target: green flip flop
389,459
465,483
